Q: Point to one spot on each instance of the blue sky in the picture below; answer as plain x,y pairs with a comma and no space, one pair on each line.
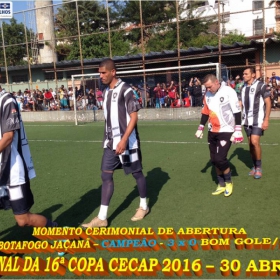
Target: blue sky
19,6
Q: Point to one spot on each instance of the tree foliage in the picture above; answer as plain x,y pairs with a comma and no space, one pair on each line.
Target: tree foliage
212,39
15,43
98,46
91,30
155,18
92,17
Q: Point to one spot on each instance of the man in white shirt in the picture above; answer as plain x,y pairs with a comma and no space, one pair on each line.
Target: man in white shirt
222,111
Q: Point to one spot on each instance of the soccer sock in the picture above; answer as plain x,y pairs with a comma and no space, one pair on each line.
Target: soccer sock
141,183
143,203
107,187
258,163
221,180
227,177
102,215
254,163
142,188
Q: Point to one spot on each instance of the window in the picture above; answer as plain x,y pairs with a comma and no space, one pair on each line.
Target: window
258,26
19,78
50,76
257,5
70,73
3,79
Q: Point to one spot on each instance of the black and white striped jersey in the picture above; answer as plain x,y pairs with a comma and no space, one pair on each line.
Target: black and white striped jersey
16,161
118,104
252,98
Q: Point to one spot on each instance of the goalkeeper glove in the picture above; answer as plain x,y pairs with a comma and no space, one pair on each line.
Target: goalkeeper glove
237,136
199,132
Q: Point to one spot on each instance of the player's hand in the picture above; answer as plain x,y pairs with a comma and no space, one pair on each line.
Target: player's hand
199,132
237,136
121,147
265,125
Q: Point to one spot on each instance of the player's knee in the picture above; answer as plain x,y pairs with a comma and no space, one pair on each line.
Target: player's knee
106,176
21,221
254,142
138,175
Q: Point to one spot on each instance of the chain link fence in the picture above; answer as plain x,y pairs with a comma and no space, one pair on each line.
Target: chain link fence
42,45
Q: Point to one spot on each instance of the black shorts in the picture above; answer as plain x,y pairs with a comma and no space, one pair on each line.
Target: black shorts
219,145
253,130
130,163
20,198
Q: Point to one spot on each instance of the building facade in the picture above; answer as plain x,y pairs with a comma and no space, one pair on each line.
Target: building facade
248,17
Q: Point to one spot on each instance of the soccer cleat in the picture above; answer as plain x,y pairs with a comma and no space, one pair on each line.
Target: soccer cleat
252,171
219,190
140,214
96,222
258,173
229,187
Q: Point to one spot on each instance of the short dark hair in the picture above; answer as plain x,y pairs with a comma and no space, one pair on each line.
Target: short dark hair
208,77
252,69
108,63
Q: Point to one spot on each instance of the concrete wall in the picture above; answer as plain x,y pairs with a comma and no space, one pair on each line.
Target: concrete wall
90,115
143,114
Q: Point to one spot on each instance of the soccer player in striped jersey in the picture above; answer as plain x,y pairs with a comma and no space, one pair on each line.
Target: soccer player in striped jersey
222,111
256,107
121,142
16,166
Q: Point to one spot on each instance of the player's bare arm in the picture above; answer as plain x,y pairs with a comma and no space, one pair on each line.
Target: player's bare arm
6,140
265,123
132,123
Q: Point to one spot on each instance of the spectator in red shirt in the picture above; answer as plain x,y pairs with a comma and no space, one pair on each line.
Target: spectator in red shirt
172,91
47,97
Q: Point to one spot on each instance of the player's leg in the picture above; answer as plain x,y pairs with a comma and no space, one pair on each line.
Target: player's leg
110,162
257,153
135,168
212,140
143,209
223,144
107,191
21,200
254,134
30,219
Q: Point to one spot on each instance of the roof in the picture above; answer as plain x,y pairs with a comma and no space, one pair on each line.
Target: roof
148,56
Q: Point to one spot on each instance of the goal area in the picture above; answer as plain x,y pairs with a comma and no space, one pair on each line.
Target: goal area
146,80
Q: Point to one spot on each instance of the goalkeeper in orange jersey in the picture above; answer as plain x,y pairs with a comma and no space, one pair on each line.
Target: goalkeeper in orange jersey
222,111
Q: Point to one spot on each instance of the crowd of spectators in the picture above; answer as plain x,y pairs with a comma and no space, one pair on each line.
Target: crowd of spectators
163,95
60,99
167,95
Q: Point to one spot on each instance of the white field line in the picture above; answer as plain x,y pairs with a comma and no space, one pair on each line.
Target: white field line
139,124
155,142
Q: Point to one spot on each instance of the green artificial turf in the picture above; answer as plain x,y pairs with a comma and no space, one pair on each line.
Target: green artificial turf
180,180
